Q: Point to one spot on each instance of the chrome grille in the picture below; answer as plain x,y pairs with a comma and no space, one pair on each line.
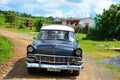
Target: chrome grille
54,59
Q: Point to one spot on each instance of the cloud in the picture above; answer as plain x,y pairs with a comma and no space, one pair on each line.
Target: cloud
3,2
94,7
76,1
102,5
59,8
80,11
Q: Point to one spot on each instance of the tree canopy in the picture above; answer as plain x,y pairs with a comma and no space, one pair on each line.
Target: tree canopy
10,17
108,23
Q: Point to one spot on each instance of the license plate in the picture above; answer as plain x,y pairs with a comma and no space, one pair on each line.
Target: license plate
53,69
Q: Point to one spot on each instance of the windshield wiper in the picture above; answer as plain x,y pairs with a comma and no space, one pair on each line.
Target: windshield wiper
63,39
45,39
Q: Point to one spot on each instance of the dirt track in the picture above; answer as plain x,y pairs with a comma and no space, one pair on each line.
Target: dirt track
14,68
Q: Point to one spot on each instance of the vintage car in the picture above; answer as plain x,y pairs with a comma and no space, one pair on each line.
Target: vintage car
55,49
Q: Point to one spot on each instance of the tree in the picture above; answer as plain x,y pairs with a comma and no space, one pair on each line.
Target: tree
10,17
25,15
50,18
38,24
108,23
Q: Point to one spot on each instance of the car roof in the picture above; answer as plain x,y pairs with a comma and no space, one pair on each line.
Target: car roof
58,27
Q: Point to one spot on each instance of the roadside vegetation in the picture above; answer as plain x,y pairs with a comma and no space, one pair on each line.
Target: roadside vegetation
98,49
6,49
107,25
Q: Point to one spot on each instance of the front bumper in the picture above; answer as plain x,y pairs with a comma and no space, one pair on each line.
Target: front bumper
61,67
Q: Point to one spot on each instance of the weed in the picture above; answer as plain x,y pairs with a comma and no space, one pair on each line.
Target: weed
6,49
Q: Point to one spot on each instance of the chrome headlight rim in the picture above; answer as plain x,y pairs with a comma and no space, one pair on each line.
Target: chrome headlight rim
30,49
78,52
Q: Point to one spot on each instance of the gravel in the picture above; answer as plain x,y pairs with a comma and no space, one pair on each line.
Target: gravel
115,61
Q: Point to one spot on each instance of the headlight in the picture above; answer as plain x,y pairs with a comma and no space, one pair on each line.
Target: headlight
78,52
30,49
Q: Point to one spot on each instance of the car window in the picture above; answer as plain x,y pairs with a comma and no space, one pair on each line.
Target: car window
72,36
56,35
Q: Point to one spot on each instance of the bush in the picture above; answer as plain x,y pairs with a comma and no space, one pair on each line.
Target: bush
78,29
85,30
38,24
22,26
81,29
96,34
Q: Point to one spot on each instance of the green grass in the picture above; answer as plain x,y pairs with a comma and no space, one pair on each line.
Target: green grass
1,19
96,48
112,68
6,49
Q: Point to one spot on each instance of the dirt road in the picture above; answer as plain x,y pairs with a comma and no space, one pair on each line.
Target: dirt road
14,68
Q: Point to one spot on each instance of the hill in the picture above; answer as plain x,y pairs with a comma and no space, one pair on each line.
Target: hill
22,17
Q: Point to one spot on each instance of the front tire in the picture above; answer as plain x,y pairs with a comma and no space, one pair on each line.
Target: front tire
31,70
76,72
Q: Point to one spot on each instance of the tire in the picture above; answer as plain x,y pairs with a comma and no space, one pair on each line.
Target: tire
31,70
76,72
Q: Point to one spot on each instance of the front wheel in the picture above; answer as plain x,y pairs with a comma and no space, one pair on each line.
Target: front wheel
76,72
31,70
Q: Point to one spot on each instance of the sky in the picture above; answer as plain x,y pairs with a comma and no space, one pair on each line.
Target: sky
58,8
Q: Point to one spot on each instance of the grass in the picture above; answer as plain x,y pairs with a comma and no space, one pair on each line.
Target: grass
112,68
96,48
23,31
1,19
6,49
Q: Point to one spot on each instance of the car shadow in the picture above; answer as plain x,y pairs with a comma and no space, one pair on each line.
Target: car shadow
19,71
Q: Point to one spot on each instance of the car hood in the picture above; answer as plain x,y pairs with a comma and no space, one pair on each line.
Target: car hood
54,47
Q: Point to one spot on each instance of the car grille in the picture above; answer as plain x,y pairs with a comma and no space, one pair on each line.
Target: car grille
55,59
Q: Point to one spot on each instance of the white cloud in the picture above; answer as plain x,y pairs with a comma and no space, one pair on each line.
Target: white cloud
101,5
42,1
3,2
57,8
98,5
55,13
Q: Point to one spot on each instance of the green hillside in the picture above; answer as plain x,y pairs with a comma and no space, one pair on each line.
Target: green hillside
22,17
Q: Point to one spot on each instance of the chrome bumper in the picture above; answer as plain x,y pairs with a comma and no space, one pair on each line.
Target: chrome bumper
62,67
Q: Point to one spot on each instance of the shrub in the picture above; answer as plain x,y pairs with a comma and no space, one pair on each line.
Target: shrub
21,26
38,24
96,34
82,29
85,30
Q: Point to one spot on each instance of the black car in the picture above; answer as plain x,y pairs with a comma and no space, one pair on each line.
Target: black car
55,49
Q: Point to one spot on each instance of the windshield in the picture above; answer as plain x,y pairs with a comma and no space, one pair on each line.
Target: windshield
56,35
